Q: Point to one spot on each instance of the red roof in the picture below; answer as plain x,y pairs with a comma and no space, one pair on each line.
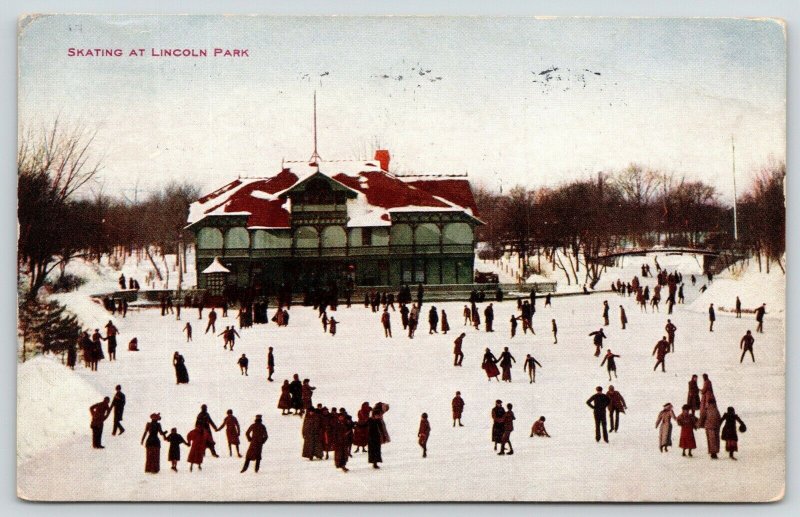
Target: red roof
264,202
457,191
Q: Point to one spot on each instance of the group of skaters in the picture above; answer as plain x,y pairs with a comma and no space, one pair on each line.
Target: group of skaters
199,439
718,427
91,347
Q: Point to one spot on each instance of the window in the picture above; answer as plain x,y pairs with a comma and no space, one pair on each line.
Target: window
366,236
209,238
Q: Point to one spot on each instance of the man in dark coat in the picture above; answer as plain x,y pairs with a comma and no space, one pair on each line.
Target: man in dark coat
342,438
433,320
738,307
623,317
488,314
760,312
746,345
660,351
598,336
671,328
270,364
99,413
457,352
497,422
212,321
118,405
458,409
712,316
530,366
605,313
296,394
599,402
257,436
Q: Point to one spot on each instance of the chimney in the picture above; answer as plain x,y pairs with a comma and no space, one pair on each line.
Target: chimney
382,156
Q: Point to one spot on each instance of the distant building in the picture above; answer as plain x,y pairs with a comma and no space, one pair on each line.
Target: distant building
348,222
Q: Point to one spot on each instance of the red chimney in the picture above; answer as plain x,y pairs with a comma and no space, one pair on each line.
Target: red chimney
382,156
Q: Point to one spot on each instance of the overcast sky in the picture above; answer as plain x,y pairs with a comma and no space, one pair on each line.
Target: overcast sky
667,93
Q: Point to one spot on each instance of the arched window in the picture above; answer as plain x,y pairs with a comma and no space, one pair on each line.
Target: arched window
401,235
263,239
306,237
457,233
334,237
209,238
427,233
237,238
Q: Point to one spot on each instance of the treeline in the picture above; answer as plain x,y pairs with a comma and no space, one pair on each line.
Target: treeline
574,224
56,225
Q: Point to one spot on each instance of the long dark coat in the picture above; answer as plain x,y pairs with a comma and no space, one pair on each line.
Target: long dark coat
376,437
257,435
729,431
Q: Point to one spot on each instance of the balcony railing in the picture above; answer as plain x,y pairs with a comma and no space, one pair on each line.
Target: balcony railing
345,251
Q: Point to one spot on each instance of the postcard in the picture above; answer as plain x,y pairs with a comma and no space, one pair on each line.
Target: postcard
401,259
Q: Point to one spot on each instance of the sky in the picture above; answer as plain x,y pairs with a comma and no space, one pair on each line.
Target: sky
445,95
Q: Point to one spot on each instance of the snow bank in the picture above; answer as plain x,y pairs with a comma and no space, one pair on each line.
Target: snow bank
43,420
752,288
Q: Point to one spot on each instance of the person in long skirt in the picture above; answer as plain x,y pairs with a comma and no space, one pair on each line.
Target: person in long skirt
232,432
197,439
181,373
688,423
445,323
343,440
312,438
360,432
693,397
458,409
376,434
664,426
505,360
489,365
423,433
284,402
498,423
706,393
153,445
711,424
257,436
729,434
174,454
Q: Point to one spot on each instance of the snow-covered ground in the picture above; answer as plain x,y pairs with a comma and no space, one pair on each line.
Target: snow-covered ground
56,461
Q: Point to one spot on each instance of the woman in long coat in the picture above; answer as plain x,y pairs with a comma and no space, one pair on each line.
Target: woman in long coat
257,436
343,439
693,398
729,434
688,423
489,365
377,434
445,324
312,439
174,453
711,425
181,373
664,426
705,394
306,393
197,438
360,434
285,400
152,431
232,432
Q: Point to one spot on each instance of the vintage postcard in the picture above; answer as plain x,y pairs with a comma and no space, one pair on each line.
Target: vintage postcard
401,259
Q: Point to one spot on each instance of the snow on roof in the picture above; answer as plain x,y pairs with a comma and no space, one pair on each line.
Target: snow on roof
216,267
264,200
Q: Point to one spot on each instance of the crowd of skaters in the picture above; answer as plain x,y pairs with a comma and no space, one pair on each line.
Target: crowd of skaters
334,430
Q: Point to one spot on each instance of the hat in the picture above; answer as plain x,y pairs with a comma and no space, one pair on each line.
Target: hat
685,407
668,404
258,417
155,416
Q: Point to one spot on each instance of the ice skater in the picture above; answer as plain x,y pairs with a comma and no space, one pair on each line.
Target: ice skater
423,433
746,345
458,409
609,360
530,366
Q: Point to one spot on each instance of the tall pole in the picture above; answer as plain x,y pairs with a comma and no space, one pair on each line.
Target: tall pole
315,158
735,221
